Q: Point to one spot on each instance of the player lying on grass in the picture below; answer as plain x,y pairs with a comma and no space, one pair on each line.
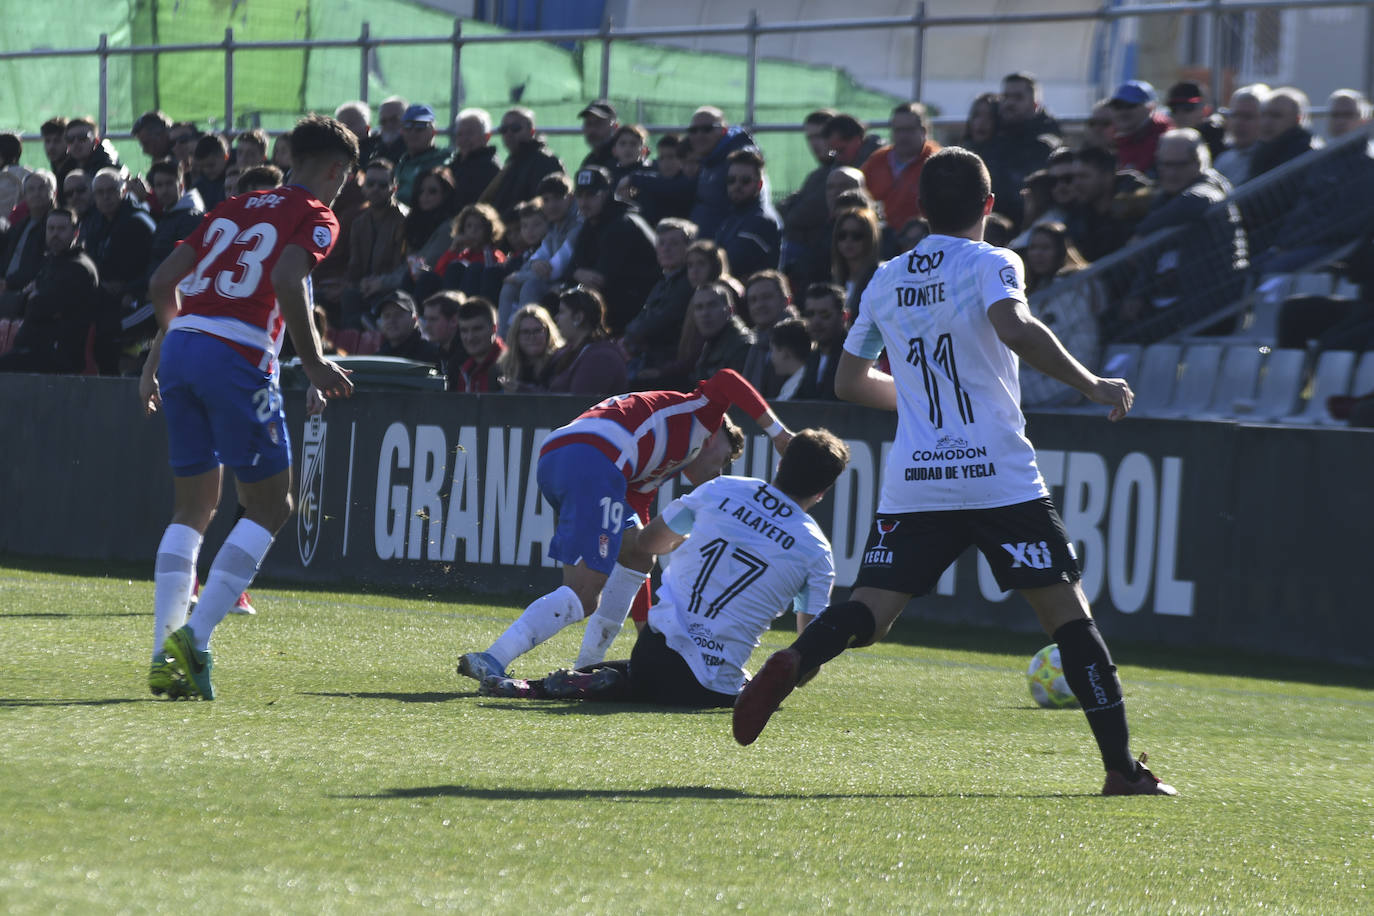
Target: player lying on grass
600,474
744,551
223,298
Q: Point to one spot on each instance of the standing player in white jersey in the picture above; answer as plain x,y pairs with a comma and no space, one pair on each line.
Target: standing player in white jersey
223,298
952,316
752,553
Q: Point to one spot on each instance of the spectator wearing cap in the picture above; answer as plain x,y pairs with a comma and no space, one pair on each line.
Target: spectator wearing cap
421,155
752,232
615,250
1138,126
1024,137
1188,108
1347,110
400,326
1243,132
893,172
474,157
1284,130
713,140
599,124
528,161
153,130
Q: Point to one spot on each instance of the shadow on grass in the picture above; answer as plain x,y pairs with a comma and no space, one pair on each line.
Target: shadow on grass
112,701
5,615
429,697
672,792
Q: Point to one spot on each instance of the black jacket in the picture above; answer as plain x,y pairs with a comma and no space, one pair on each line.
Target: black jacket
58,316
173,226
30,250
520,176
1290,144
652,336
751,236
619,246
121,246
472,173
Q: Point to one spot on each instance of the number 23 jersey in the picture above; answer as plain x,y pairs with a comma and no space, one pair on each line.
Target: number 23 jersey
961,440
229,292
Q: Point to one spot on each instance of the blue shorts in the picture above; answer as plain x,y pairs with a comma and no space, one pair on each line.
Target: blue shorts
587,493
221,410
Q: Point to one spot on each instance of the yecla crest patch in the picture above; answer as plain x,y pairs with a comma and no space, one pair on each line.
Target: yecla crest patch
1008,275
323,236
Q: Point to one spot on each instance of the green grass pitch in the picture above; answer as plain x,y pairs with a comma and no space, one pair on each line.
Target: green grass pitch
347,768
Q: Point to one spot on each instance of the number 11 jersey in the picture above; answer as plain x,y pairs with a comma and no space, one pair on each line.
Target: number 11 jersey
961,440
229,293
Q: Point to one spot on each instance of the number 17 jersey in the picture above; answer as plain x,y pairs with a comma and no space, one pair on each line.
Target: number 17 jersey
229,292
961,440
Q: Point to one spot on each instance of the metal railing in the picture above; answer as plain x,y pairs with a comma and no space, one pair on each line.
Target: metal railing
920,23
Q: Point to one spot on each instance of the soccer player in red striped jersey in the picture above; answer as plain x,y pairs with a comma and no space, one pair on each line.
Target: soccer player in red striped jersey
600,474
223,298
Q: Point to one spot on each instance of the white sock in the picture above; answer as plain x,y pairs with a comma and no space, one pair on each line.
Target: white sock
172,578
540,621
604,625
234,568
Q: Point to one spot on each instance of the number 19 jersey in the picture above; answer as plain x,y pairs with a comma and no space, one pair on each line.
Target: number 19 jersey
961,440
752,554
229,293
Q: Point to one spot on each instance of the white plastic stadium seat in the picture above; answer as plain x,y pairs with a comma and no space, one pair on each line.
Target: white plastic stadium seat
1197,379
1122,361
1279,386
1364,375
1236,383
1158,375
1331,376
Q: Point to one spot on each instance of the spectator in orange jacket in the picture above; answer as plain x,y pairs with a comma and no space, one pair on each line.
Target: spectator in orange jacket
893,172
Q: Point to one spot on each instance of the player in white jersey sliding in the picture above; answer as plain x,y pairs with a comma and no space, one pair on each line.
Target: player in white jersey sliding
752,553
952,316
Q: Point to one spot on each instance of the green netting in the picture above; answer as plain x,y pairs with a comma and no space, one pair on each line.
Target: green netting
652,84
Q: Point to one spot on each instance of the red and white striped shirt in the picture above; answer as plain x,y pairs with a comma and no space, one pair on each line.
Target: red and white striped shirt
229,294
652,435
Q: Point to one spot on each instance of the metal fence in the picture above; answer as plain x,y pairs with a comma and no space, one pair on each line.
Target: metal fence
1196,278
921,23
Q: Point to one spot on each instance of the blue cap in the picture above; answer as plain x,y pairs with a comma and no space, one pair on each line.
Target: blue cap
1134,92
418,113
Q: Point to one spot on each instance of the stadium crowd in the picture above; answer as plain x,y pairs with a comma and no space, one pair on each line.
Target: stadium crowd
653,264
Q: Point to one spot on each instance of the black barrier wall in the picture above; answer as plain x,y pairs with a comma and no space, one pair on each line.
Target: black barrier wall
1189,533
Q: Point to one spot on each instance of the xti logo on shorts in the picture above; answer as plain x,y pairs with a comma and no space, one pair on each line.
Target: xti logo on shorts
1036,556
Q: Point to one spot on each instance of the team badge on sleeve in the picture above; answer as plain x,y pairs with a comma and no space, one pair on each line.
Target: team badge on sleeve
323,236
1008,275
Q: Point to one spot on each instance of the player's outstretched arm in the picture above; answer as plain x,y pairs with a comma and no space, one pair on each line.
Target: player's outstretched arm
859,381
289,282
1028,337
735,388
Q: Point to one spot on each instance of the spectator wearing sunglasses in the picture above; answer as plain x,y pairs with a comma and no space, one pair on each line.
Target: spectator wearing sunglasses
712,141
752,232
1138,126
528,161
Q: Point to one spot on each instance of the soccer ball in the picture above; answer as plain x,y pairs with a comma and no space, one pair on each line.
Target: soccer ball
1046,679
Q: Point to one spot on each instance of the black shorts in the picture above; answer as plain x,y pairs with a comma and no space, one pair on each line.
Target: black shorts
659,675
1025,544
